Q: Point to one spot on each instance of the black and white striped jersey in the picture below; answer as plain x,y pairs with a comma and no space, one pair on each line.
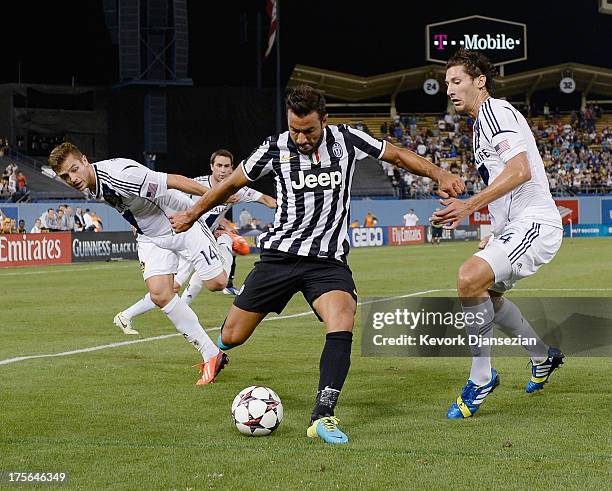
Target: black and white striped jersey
313,191
139,194
214,216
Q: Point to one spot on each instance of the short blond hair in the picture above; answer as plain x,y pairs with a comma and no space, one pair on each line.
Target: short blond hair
60,153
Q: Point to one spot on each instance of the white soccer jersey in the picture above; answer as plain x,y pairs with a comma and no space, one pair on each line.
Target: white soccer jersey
212,217
139,194
500,133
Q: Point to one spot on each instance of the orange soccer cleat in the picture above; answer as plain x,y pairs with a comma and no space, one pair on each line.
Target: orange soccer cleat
211,368
240,245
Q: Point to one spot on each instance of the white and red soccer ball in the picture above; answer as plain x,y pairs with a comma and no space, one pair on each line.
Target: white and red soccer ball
257,411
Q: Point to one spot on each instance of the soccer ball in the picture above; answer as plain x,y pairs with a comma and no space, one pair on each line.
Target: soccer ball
257,411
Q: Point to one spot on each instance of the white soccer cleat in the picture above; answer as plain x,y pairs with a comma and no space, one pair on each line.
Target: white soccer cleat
124,324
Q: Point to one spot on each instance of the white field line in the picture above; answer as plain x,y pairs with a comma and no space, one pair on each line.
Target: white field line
72,270
280,317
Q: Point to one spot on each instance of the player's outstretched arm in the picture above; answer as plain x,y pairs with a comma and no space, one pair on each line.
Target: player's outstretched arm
269,201
448,184
515,173
188,186
219,194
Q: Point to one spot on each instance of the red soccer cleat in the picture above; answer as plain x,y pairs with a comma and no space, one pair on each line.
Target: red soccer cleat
211,368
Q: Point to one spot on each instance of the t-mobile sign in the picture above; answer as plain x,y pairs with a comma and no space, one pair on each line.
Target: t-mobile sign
500,40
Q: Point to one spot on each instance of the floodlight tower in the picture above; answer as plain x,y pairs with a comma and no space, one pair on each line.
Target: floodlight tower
152,41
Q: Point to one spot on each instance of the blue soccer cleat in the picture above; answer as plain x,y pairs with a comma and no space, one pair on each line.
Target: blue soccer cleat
540,373
471,398
327,429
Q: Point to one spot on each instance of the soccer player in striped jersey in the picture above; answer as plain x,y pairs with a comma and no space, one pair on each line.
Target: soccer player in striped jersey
526,226
146,199
306,250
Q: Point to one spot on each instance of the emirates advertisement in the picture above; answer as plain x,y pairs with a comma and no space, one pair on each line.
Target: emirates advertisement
35,249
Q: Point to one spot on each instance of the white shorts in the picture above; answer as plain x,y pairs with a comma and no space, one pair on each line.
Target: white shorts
155,261
519,251
196,246
185,268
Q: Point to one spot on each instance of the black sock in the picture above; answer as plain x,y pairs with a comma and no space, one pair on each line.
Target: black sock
230,280
333,369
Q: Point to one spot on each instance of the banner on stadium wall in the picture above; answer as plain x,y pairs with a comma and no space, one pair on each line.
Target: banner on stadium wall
587,230
10,212
606,211
368,236
35,249
103,246
481,217
399,236
463,232
569,210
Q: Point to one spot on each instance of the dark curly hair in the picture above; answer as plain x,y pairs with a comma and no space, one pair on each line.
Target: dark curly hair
475,64
304,99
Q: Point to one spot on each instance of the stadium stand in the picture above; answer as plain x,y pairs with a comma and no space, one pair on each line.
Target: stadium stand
41,184
575,148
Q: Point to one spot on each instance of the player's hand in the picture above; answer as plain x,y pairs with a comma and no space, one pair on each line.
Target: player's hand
181,221
483,243
234,198
449,185
456,210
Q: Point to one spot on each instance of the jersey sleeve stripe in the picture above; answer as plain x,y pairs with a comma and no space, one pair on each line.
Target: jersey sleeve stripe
128,186
364,145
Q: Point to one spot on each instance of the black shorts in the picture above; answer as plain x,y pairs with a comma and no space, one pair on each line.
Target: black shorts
436,231
277,276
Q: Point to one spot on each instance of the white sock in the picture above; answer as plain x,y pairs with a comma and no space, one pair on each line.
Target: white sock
511,321
186,322
193,289
143,305
480,372
225,249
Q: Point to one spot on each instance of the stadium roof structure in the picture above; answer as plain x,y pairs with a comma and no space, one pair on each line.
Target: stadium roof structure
346,87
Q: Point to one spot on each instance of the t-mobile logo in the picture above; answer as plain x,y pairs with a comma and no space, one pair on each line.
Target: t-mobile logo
440,41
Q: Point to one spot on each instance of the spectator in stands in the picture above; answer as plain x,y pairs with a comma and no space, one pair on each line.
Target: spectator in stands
69,215
97,222
384,128
370,220
61,220
37,228
49,220
410,218
89,223
6,226
22,183
79,220
21,227
355,223
4,190
244,218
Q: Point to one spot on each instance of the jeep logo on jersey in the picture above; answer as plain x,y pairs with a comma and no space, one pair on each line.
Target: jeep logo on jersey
500,40
321,179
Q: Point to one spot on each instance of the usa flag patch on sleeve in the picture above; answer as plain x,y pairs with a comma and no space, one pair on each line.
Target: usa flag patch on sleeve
151,190
502,146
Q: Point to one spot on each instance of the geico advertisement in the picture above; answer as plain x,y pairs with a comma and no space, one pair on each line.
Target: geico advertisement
35,249
103,246
367,237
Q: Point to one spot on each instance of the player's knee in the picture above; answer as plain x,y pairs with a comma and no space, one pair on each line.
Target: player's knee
217,283
468,282
162,298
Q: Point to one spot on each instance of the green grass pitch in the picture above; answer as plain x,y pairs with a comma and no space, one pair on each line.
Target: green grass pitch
131,417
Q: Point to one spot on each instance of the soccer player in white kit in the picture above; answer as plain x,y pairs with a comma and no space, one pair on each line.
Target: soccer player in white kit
221,164
526,226
146,199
